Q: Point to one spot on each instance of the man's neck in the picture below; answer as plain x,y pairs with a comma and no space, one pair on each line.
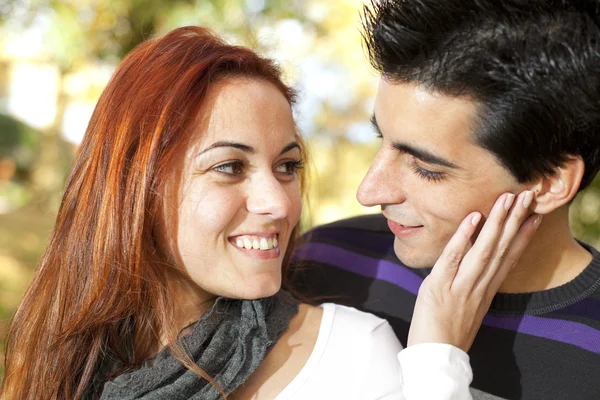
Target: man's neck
552,259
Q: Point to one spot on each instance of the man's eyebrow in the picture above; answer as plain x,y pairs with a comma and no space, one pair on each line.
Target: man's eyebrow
245,148
415,151
423,155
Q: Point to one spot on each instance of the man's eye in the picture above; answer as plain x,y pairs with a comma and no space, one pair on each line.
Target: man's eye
426,174
234,168
290,167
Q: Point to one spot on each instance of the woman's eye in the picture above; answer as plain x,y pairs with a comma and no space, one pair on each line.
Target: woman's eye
234,168
290,167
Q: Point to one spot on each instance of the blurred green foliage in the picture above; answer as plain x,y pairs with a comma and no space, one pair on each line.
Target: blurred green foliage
20,142
585,214
15,135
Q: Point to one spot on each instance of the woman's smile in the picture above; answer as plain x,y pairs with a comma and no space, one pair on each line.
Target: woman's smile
264,246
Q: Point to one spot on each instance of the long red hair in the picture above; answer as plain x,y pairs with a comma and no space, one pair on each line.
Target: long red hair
101,286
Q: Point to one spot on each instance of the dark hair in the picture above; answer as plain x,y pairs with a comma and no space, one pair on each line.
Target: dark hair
533,66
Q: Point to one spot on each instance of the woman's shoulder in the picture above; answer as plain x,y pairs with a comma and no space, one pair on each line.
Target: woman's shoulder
333,331
353,349
347,332
330,318
353,321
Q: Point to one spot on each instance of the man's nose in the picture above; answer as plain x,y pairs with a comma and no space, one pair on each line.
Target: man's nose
382,185
268,197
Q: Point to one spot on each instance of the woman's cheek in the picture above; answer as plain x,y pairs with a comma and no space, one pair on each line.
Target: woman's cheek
297,205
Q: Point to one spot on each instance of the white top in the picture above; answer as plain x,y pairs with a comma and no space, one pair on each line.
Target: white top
357,356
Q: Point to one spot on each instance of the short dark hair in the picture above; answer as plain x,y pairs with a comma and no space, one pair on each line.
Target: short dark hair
533,66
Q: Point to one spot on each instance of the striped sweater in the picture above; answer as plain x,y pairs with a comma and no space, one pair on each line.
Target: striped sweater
542,345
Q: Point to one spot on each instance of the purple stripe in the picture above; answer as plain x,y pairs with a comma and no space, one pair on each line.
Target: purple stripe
586,308
361,265
374,242
573,333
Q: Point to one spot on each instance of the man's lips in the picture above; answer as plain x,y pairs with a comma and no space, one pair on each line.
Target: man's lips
402,230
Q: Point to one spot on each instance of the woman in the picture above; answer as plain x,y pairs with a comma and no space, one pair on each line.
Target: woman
185,196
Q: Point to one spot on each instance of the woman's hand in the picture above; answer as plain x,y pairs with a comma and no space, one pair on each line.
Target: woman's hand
455,297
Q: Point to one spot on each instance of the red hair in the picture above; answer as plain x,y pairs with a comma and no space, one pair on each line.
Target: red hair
101,286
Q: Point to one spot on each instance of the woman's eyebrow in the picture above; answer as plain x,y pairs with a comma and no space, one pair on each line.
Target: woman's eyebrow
245,148
236,145
291,146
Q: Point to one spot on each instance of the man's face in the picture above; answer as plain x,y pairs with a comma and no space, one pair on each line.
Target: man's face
429,174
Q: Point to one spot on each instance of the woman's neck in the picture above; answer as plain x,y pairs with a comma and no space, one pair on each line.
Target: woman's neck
190,303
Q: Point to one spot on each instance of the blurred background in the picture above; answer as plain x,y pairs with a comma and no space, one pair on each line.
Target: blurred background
57,56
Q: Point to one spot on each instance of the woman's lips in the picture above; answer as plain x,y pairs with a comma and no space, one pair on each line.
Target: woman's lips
263,246
401,230
261,254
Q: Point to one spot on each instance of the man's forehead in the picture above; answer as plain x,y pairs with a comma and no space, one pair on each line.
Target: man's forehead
411,96
410,114
414,110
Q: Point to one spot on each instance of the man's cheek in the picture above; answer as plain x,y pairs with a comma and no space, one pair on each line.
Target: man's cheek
444,228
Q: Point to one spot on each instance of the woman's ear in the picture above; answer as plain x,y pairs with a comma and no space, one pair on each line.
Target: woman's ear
554,191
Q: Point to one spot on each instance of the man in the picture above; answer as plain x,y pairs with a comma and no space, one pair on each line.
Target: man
480,97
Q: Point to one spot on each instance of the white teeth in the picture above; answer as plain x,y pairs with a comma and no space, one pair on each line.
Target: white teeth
264,245
256,243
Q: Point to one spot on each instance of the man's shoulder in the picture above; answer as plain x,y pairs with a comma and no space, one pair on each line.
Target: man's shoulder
352,262
368,235
376,223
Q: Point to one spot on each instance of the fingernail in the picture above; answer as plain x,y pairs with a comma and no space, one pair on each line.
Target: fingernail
476,218
528,199
537,221
509,201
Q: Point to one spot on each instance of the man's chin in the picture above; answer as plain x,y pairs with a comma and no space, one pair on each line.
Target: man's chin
413,258
414,264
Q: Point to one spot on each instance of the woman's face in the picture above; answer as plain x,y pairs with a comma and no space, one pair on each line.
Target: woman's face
240,198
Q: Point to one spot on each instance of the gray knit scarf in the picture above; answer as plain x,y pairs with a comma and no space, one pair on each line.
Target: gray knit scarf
228,342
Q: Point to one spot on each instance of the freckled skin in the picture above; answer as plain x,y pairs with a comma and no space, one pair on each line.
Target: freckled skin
215,205
408,114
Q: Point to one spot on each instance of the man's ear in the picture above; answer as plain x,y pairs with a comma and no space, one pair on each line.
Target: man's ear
554,191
